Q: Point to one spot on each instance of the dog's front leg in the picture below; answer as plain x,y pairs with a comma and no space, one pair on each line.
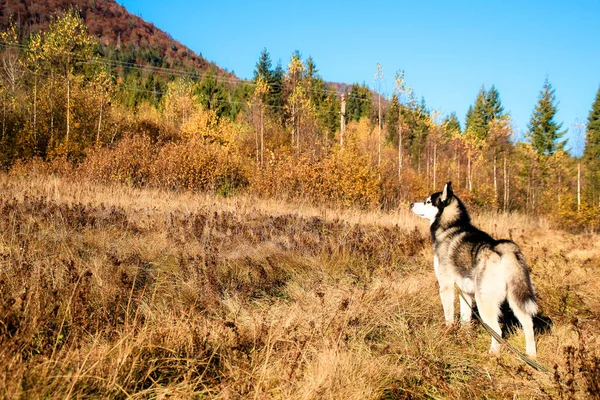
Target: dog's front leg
447,295
446,290
465,308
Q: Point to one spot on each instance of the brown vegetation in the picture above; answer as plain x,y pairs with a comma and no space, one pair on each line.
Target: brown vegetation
111,24
113,291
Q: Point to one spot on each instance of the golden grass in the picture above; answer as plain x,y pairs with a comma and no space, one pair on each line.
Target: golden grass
109,291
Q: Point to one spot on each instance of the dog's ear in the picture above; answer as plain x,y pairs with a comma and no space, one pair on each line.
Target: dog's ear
447,193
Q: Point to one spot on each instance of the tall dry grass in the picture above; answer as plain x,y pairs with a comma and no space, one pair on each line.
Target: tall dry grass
110,291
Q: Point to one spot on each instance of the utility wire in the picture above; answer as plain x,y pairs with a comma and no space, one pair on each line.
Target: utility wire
174,72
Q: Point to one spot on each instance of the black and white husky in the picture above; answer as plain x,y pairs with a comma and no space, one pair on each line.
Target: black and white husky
491,270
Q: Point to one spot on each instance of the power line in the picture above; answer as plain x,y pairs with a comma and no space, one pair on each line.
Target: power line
175,72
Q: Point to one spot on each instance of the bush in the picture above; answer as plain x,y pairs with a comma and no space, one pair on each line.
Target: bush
198,165
341,177
129,161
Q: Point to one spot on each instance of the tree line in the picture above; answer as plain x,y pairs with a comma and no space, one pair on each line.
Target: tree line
65,96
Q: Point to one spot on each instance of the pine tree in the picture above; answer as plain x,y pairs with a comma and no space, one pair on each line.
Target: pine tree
263,67
213,94
476,121
592,134
493,105
591,152
544,133
311,68
353,104
452,125
276,86
486,109
392,120
359,102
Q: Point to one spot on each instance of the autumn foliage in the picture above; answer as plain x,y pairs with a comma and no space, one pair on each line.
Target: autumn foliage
278,136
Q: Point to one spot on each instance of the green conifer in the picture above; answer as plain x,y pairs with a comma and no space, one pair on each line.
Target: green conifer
592,134
544,133
476,121
391,120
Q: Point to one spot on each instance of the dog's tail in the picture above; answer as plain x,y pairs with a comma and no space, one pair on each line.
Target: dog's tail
520,292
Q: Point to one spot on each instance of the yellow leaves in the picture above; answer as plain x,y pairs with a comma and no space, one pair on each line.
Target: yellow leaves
65,41
341,177
205,125
10,36
379,73
261,90
179,104
295,70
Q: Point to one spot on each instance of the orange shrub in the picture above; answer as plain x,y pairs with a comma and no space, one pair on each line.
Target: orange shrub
129,161
341,177
199,165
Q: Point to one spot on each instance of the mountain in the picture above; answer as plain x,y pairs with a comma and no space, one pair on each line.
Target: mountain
114,27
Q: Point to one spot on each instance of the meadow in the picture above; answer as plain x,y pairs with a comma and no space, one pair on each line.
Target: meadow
109,291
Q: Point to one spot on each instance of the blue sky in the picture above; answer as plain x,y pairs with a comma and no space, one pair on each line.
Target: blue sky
448,50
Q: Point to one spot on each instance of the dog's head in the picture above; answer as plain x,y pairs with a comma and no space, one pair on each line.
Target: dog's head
434,205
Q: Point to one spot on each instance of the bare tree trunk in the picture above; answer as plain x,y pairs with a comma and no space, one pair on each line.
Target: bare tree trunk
399,152
343,120
293,122
99,121
434,164
578,185
262,137
35,111
3,117
559,187
507,190
379,132
298,132
256,139
469,173
68,111
505,202
427,165
495,181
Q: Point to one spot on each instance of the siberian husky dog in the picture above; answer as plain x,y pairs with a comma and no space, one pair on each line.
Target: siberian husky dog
489,270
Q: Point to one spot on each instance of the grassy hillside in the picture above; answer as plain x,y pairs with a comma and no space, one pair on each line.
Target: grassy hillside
108,291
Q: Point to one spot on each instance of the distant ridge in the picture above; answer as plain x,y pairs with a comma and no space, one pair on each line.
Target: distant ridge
114,26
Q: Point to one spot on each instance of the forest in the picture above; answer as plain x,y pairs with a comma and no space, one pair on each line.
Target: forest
119,113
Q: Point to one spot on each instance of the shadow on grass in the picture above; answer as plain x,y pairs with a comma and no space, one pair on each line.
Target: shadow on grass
542,324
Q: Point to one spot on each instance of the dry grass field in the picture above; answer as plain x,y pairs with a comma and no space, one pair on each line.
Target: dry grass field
113,292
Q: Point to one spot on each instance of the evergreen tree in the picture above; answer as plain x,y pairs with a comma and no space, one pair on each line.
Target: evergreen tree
493,105
316,84
591,152
311,68
276,84
392,120
544,133
487,108
452,125
213,94
592,134
476,121
359,102
263,67
330,113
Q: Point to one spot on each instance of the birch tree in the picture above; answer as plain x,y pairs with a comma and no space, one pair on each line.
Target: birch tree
64,46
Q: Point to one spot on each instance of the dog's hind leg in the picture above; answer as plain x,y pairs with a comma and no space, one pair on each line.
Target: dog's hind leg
527,322
489,309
